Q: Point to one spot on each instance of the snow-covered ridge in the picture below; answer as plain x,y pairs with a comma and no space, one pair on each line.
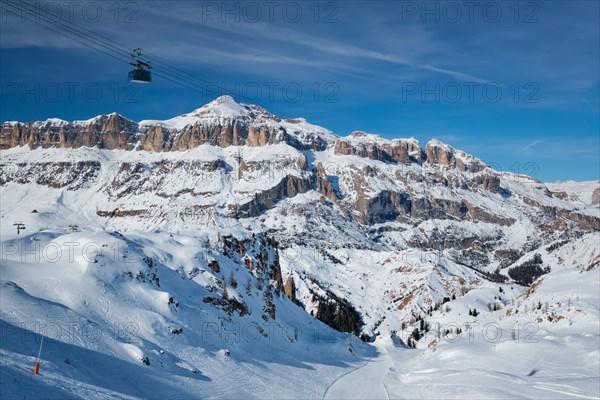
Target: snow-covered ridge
586,191
362,137
222,122
218,111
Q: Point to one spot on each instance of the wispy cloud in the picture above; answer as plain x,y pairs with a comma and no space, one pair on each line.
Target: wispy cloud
532,144
595,110
323,44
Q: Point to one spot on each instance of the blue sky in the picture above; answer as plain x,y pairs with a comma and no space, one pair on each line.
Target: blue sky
510,82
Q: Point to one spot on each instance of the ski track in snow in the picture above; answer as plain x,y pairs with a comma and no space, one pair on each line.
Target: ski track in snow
365,381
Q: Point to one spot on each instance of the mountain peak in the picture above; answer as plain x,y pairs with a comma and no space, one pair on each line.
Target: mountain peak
102,118
223,105
223,99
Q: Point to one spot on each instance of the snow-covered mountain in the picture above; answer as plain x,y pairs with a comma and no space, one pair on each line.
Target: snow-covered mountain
229,230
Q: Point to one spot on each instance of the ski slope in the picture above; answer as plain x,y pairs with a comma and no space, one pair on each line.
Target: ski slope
366,381
544,360
99,324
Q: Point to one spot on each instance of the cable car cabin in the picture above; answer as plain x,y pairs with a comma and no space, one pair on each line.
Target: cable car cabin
141,73
139,76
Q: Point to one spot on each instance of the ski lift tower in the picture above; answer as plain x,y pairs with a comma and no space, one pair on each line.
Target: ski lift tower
20,226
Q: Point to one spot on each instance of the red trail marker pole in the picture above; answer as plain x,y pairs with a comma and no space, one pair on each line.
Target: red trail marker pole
36,370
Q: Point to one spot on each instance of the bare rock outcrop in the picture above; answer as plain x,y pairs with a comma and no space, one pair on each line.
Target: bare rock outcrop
289,288
322,184
107,131
438,153
371,146
490,182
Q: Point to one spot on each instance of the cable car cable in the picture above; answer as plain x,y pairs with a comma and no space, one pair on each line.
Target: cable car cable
70,34
109,44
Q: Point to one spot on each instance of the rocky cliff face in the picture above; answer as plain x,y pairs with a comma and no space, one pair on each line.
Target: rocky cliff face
221,123
366,145
366,191
442,154
106,131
